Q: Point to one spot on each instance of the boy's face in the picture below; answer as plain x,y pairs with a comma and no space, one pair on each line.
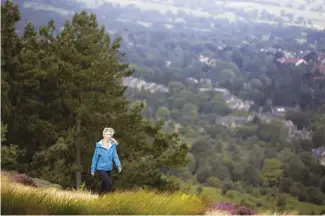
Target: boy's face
107,136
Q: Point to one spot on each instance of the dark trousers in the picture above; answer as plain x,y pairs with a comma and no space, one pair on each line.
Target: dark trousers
106,186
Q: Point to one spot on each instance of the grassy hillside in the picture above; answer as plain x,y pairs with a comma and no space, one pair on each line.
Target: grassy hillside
20,199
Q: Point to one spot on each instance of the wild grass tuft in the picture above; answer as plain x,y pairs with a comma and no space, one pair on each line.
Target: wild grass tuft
21,199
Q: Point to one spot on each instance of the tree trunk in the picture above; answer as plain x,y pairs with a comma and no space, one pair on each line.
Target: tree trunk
78,157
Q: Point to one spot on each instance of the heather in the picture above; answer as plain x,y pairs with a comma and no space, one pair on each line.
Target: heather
233,209
261,204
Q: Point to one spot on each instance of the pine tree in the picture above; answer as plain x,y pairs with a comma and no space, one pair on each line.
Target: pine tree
10,48
49,161
93,91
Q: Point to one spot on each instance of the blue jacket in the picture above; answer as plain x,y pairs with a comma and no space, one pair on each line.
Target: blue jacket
103,157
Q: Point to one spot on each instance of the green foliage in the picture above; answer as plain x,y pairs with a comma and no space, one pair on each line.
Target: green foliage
315,196
83,187
227,185
190,110
298,118
53,163
9,154
10,157
281,201
214,182
199,190
272,171
285,185
4,131
10,48
162,113
318,130
273,133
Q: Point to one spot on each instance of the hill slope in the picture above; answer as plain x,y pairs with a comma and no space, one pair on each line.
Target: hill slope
21,199
17,198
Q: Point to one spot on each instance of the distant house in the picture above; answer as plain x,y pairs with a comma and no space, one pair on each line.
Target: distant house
279,111
205,81
205,89
319,67
139,84
207,60
232,101
300,62
193,80
204,59
222,90
296,61
319,153
232,121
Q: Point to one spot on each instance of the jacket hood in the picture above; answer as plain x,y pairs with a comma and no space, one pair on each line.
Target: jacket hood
101,142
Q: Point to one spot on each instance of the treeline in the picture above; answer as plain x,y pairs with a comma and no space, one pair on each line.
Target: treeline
59,91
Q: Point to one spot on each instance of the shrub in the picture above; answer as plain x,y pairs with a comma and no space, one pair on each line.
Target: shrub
214,182
230,194
322,212
281,201
227,185
199,190
259,204
238,186
9,157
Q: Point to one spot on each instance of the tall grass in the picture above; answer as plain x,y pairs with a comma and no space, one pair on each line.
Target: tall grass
20,199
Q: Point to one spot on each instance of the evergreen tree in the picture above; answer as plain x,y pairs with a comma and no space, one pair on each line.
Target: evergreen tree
10,48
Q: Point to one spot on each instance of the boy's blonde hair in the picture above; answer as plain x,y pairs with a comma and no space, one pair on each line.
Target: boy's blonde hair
108,130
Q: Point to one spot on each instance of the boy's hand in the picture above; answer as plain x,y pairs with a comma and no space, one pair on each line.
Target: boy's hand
92,174
119,170
114,140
